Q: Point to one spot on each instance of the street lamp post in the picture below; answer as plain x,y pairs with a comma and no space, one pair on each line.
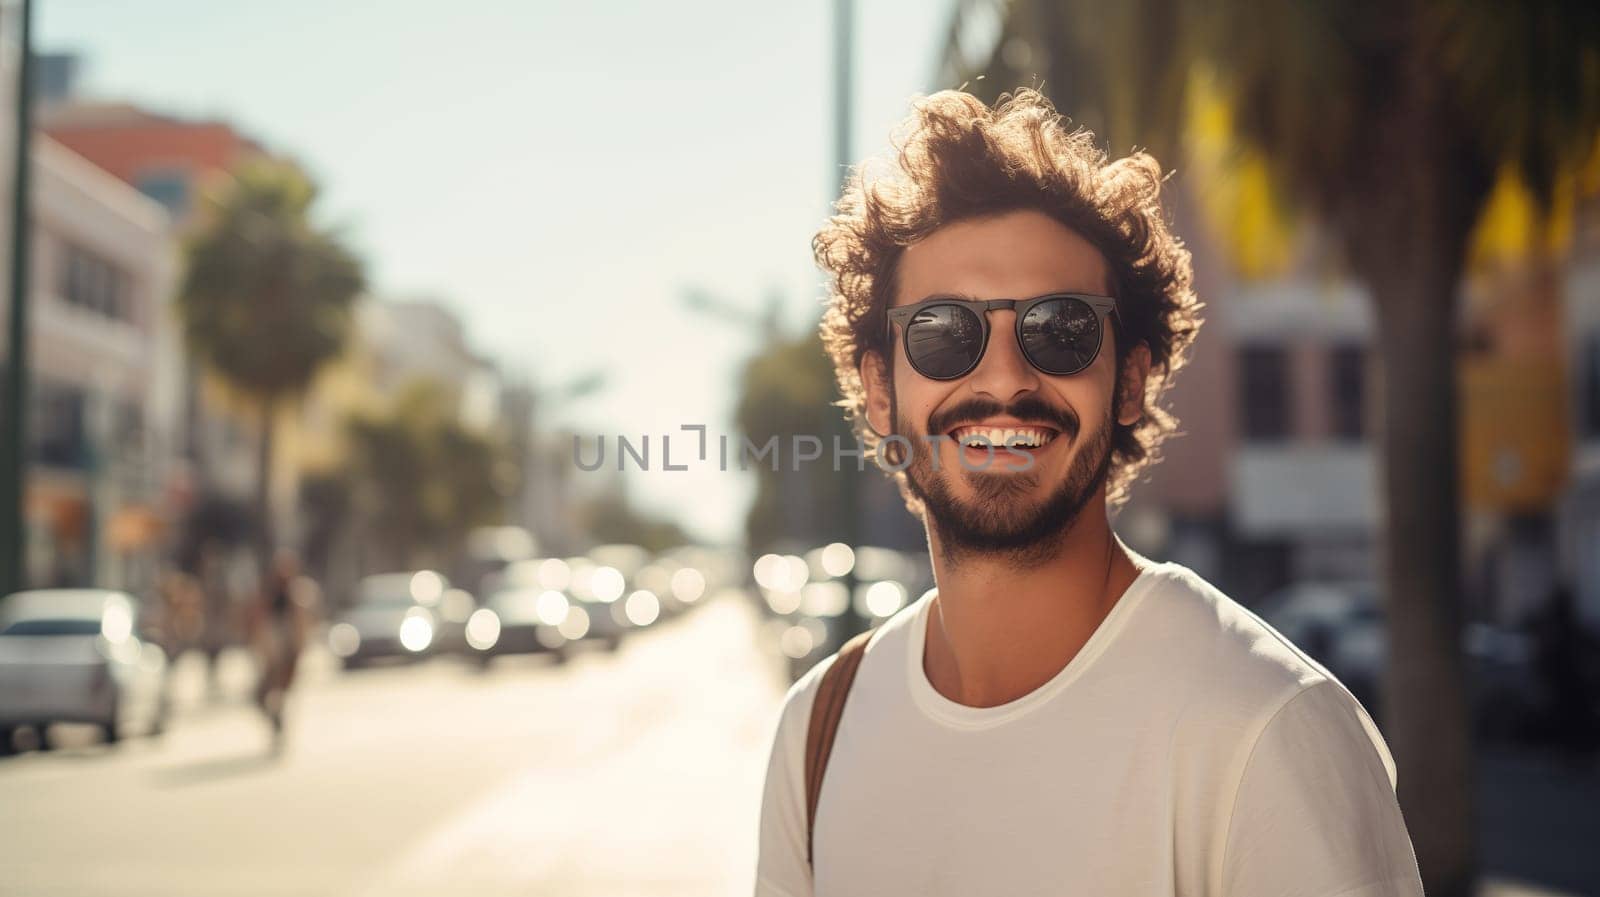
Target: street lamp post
13,435
844,87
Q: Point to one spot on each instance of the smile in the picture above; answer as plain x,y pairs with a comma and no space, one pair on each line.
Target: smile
1001,437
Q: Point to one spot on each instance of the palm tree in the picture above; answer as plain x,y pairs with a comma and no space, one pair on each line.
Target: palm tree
267,297
1390,123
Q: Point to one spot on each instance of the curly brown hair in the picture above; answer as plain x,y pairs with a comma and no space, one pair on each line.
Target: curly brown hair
958,159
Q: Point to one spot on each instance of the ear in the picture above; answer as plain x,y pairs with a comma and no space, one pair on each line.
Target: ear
874,374
1130,392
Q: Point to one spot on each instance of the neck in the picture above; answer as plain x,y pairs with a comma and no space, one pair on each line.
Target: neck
998,631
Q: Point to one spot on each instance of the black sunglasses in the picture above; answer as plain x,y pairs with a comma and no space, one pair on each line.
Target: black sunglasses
1059,333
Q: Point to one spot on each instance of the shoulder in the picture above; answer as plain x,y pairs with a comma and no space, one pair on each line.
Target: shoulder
802,694
783,814
1245,671
782,867
1238,652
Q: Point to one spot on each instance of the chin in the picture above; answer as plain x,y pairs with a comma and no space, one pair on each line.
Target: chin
1013,492
1007,471
1020,514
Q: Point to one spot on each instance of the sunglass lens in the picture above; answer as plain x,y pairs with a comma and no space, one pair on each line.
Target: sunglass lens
1061,336
944,341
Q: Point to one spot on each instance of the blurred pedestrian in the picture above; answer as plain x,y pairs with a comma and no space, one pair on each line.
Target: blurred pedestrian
278,625
182,612
218,628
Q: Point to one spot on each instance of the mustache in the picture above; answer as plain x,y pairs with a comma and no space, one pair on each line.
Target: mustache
1029,409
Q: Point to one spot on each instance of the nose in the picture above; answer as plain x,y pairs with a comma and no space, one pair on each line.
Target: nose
1003,374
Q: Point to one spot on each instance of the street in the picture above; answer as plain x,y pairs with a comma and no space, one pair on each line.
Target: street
635,773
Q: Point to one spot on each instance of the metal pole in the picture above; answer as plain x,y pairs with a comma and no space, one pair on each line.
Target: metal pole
13,439
843,87
843,110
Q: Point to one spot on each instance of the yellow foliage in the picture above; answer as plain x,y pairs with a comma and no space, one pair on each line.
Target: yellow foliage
1242,206
1512,227
1234,186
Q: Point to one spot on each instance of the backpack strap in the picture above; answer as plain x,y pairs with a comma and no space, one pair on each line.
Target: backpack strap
826,711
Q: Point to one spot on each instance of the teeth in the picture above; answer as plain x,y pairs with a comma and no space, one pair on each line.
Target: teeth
999,437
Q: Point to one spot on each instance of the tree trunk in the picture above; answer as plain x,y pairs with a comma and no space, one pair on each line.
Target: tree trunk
266,536
1427,720
1405,210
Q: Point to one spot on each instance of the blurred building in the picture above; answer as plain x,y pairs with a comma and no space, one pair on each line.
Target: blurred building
421,339
1274,477
171,160
54,76
1579,513
102,428
546,499
1277,476
395,344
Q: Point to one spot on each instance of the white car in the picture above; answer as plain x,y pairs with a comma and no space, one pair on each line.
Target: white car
73,655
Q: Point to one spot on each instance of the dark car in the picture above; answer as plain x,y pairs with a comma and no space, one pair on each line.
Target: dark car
406,615
1342,626
530,620
809,603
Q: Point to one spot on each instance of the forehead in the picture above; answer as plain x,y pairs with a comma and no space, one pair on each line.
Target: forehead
1014,255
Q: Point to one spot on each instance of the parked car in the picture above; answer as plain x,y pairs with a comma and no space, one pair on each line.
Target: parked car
74,655
408,615
811,608
1342,626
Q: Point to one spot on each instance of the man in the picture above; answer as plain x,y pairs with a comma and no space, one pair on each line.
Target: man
1060,715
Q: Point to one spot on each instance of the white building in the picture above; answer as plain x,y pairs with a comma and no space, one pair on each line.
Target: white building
422,340
103,367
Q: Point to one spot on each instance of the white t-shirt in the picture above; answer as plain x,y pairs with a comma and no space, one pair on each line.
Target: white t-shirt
1187,749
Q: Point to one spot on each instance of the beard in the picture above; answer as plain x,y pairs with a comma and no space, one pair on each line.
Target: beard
1003,518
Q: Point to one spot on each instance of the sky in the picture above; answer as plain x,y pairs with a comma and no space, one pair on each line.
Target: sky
559,174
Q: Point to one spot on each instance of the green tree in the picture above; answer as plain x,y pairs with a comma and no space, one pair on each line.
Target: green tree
1389,122
422,478
788,390
267,297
